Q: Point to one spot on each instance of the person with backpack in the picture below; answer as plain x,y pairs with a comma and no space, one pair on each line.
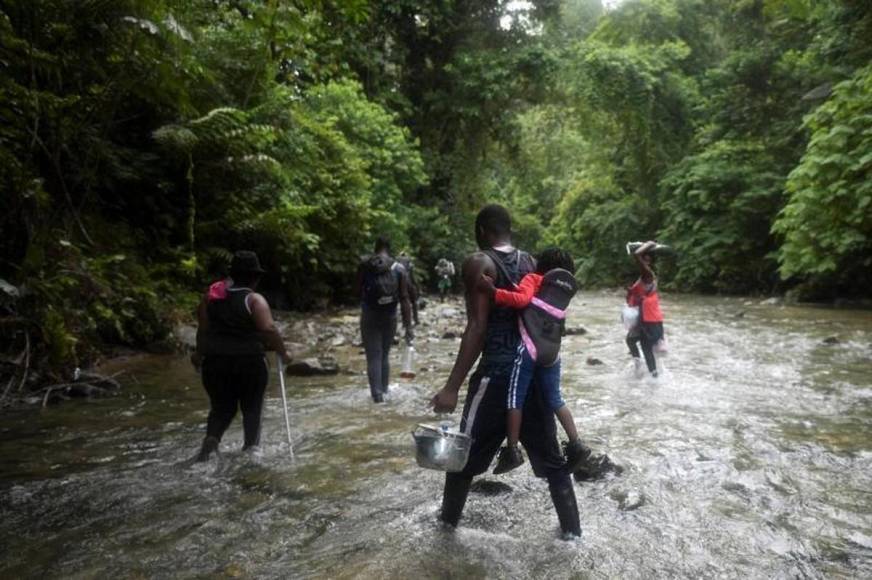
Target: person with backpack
382,284
543,297
492,334
445,270
235,327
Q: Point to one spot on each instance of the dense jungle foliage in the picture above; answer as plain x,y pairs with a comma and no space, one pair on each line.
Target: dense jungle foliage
142,141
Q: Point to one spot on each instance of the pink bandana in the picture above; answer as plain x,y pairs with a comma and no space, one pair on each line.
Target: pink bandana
217,291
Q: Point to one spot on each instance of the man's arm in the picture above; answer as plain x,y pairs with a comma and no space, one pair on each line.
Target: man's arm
478,305
406,305
263,322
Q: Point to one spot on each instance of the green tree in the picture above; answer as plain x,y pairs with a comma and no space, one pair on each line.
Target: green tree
827,222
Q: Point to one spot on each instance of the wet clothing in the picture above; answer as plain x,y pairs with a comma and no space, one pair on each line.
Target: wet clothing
526,372
231,330
484,420
559,485
378,324
650,328
647,335
487,401
235,373
377,329
486,406
231,382
645,296
502,336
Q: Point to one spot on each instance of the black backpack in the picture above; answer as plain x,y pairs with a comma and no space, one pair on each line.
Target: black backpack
381,284
543,319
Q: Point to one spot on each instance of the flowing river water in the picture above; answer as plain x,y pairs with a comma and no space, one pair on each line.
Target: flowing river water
751,457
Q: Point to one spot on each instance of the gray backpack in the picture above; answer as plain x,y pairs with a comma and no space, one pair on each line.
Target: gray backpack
381,281
544,319
542,322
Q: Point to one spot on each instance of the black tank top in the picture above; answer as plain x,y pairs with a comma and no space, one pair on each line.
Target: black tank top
502,336
231,329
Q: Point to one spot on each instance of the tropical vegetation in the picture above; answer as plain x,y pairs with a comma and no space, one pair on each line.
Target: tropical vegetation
143,141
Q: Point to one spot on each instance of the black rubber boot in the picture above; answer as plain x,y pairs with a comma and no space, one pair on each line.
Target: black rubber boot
210,445
454,497
510,457
563,496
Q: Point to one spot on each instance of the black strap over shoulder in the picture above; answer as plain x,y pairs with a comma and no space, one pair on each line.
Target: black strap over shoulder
498,262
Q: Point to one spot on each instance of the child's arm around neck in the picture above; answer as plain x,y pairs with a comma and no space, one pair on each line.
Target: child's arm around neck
521,297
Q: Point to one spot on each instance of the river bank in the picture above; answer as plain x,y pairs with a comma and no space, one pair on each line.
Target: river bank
320,342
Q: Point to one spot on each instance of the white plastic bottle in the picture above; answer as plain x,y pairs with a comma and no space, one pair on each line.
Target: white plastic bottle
408,371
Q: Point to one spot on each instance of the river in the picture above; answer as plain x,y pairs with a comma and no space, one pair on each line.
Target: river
750,457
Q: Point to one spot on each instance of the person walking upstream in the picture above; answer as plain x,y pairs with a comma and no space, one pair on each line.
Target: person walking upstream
382,284
445,270
235,326
492,332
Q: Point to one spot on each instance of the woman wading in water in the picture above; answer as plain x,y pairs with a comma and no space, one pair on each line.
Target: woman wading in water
235,328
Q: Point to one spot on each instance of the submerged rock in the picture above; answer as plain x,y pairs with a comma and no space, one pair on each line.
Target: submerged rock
628,500
593,361
576,330
831,340
597,467
186,336
448,312
308,367
297,350
488,487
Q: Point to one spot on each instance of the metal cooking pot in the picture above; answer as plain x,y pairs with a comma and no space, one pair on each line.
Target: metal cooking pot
440,449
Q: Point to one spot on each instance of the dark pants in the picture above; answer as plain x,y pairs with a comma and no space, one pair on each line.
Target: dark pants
377,329
484,420
444,287
231,382
646,335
